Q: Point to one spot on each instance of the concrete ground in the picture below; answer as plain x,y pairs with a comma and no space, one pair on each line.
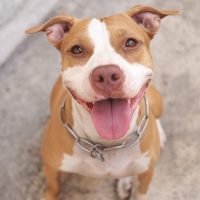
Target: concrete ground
27,77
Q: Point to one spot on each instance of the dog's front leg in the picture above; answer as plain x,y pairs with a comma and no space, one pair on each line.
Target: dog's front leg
124,187
134,187
143,181
52,183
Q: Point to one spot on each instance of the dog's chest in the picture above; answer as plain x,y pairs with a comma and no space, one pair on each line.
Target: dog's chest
118,163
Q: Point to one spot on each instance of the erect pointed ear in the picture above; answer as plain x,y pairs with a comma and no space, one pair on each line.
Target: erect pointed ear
55,28
149,18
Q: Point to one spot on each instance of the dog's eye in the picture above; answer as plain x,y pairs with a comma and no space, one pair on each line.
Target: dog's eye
130,42
76,49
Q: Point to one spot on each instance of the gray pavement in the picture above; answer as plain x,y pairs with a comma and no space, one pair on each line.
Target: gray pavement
15,16
27,77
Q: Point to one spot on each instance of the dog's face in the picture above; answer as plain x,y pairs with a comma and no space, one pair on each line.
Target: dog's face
106,63
106,58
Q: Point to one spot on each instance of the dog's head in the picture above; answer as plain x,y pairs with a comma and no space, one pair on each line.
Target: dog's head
106,63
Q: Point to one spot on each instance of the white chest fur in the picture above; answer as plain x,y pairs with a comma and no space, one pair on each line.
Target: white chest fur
118,163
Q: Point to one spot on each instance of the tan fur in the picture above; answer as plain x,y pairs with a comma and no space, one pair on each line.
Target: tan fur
56,141
78,35
129,30
150,141
155,101
144,181
63,142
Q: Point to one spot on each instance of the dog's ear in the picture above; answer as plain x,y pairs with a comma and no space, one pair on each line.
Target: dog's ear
149,18
55,28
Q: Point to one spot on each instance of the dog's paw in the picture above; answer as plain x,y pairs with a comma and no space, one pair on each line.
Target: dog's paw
124,188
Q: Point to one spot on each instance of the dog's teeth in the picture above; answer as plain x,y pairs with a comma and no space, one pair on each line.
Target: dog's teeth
129,101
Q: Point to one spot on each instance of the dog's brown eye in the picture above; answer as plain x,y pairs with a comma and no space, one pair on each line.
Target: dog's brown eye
130,42
76,49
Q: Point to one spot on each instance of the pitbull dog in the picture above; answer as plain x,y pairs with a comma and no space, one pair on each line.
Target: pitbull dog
102,124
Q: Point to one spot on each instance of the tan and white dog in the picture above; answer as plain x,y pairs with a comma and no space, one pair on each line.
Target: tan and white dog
106,70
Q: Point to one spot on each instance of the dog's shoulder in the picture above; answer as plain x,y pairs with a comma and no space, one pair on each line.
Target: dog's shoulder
155,101
56,92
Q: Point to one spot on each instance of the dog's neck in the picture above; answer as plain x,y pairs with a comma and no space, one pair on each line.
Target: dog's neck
84,128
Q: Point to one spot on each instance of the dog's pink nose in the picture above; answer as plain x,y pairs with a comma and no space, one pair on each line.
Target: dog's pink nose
107,79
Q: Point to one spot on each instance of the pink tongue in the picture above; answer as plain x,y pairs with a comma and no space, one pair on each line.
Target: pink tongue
111,118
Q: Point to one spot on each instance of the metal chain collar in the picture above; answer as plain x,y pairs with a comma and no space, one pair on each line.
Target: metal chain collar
97,150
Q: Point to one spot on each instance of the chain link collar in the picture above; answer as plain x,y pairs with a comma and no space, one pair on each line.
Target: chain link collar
97,150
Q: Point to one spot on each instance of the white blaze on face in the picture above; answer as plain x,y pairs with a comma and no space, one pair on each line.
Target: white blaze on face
77,77
103,52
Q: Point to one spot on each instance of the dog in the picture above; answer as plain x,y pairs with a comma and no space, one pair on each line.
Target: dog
104,112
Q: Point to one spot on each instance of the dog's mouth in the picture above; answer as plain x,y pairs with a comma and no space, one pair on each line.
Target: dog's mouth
112,116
